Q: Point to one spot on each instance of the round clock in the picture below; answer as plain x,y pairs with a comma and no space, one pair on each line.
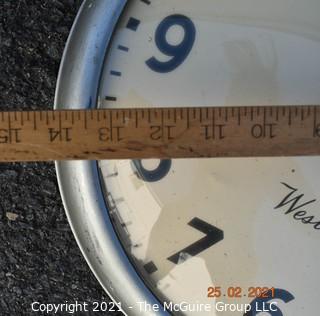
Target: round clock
203,236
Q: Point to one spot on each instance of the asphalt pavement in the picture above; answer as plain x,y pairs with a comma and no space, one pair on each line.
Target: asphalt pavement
39,258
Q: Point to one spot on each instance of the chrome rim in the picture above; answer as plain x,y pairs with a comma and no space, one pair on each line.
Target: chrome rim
79,183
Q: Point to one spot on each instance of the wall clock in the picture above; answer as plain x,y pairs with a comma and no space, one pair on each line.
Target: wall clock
210,236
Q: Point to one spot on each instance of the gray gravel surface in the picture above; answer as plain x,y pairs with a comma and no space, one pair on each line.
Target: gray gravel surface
39,258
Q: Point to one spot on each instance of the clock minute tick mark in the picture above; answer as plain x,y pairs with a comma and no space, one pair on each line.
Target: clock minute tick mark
123,48
133,24
110,98
147,2
115,73
150,267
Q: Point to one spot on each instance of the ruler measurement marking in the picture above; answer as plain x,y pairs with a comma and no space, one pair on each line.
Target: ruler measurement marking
162,123
214,120
21,119
110,125
85,120
239,116
123,116
60,125
9,128
35,120
302,114
137,120
47,118
106,117
72,118
314,120
251,114
290,117
226,114
188,118
149,115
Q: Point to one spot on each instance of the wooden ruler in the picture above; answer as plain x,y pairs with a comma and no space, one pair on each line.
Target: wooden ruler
160,133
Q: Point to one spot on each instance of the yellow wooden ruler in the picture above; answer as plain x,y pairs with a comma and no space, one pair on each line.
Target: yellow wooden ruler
160,133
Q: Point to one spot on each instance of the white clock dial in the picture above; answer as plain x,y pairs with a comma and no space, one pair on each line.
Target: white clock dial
214,231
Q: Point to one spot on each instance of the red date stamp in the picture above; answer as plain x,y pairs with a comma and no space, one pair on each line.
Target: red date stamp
239,292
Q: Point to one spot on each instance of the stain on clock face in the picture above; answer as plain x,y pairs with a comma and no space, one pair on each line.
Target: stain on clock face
190,225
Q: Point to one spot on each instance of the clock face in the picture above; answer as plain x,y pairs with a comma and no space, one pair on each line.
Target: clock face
218,236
